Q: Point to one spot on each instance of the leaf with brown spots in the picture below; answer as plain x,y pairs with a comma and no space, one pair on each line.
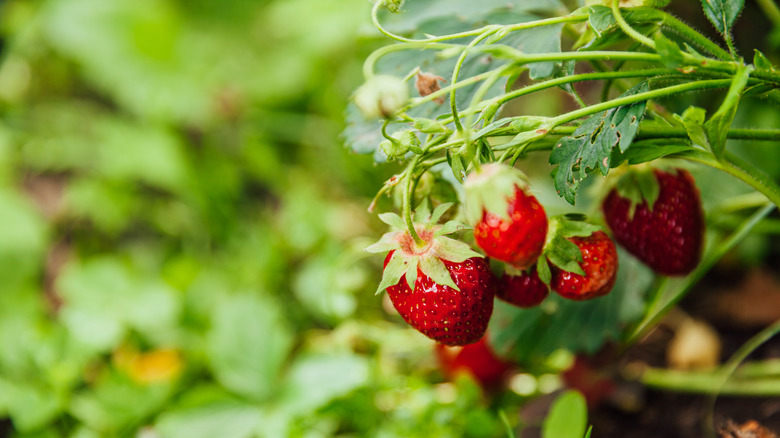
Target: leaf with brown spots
591,144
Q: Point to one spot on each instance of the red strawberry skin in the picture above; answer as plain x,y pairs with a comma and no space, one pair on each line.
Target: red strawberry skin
478,360
524,290
519,240
669,238
600,264
442,313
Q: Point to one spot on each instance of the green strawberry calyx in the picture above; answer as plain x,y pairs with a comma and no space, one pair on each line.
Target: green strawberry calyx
429,257
559,250
489,189
638,184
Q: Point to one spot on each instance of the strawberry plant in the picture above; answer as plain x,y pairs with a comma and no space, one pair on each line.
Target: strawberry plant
644,103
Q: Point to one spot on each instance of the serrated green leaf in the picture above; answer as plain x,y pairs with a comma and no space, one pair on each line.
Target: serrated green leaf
722,13
386,243
568,417
393,220
717,127
434,268
671,54
543,270
393,272
591,144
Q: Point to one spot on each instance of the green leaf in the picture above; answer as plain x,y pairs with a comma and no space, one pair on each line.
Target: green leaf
722,13
591,144
316,379
693,120
760,61
717,127
393,272
649,150
247,345
568,417
434,268
671,54
226,418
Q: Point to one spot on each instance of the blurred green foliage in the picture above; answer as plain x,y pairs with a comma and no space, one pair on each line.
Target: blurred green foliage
181,230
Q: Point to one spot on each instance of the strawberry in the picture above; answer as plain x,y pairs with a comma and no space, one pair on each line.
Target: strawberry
510,224
523,289
442,313
599,265
658,218
477,360
438,285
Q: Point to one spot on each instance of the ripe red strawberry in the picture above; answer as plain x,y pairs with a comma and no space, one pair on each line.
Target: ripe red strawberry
665,233
523,290
510,224
442,313
438,285
599,263
477,360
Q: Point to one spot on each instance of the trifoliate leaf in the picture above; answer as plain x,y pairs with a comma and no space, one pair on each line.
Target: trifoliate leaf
591,144
393,272
393,220
434,268
387,243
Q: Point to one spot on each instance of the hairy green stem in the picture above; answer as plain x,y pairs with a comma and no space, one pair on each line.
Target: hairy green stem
630,31
627,100
693,36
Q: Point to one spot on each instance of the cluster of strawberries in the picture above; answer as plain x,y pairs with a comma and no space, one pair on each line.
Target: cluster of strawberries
444,289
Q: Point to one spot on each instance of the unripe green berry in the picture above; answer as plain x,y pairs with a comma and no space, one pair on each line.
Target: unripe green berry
381,96
405,141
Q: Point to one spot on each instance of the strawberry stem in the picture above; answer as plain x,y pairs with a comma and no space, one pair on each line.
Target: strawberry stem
407,203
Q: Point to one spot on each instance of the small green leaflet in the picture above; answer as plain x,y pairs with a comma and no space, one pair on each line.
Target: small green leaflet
722,13
592,142
717,127
568,417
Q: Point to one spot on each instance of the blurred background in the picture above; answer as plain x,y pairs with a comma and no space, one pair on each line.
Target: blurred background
181,231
